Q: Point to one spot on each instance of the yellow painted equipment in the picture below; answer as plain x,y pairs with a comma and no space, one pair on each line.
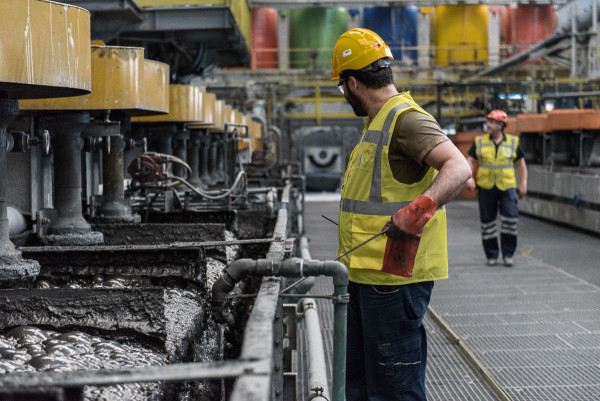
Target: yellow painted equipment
117,78
228,114
185,105
156,86
219,116
44,49
461,35
208,112
255,134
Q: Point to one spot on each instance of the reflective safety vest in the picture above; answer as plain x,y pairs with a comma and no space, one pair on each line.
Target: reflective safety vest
371,194
496,168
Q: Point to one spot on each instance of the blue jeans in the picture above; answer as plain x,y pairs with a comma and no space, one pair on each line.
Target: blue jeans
387,344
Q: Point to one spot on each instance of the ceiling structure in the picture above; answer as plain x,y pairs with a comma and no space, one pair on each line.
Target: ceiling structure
289,4
190,39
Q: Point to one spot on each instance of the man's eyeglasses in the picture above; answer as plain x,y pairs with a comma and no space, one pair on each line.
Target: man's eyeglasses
341,85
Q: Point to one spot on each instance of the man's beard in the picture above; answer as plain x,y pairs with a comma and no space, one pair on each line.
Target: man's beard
354,101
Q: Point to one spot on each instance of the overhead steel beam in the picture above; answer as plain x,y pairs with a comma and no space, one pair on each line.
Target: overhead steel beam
126,9
518,58
125,23
285,4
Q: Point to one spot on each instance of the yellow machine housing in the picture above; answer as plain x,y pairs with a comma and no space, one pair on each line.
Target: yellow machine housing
44,49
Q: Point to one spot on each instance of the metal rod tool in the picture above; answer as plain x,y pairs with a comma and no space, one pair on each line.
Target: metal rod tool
362,243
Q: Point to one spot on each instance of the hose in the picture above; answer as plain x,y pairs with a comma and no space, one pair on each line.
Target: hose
207,195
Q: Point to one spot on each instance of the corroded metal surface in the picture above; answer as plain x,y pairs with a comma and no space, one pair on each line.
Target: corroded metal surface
108,309
148,233
157,260
45,49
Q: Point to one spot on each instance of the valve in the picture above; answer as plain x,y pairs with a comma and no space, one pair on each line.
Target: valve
19,141
147,167
131,143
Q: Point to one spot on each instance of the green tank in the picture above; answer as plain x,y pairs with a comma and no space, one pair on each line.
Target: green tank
313,32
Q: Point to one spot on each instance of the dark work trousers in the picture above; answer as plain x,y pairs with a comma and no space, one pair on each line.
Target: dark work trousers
490,201
386,353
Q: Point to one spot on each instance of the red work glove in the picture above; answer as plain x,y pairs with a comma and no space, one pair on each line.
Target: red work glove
404,234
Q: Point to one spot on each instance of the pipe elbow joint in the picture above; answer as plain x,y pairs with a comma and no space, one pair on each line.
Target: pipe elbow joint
338,272
228,279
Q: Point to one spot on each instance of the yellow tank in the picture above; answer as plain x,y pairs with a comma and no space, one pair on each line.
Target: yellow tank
44,49
219,116
254,133
209,115
185,106
156,86
461,35
209,108
228,116
116,75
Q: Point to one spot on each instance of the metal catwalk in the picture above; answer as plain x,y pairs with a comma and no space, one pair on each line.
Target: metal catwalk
527,333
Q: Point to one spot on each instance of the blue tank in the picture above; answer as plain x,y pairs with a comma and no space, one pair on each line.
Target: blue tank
397,26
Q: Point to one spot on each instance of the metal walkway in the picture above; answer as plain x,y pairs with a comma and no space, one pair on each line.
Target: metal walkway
526,333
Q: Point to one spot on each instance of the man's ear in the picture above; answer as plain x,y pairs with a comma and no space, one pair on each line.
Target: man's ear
352,82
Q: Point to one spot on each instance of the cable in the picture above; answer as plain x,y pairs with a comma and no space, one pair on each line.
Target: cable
241,174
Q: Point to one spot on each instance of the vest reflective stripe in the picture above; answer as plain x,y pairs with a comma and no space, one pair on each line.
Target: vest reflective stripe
374,208
496,165
384,139
370,195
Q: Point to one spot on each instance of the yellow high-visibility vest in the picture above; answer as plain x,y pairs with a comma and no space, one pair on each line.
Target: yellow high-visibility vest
371,194
496,168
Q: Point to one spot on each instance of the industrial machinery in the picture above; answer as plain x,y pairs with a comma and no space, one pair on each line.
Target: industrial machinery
139,194
152,241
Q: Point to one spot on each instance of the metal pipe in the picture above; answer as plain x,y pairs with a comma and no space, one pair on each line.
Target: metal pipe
279,136
296,267
180,139
66,131
193,157
114,207
205,157
317,370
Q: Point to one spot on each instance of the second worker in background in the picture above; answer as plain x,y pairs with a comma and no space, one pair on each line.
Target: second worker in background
493,158
398,178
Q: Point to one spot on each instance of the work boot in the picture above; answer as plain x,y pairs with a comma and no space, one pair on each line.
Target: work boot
508,262
491,262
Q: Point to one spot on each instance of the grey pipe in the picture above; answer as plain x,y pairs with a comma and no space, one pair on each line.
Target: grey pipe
296,267
317,370
278,154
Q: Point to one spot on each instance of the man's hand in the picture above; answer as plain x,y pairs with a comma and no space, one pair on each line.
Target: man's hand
404,232
409,221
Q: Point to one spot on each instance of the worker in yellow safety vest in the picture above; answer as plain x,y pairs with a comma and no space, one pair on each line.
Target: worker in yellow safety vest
493,158
398,179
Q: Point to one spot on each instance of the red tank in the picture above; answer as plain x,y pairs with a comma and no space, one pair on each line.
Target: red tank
526,25
264,38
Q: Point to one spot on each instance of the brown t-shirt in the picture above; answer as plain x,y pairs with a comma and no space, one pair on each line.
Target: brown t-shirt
415,134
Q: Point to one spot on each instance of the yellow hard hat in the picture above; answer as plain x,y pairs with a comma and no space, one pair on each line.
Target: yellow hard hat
356,49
